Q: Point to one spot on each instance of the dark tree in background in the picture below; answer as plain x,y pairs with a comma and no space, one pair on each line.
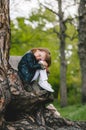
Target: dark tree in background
63,64
82,45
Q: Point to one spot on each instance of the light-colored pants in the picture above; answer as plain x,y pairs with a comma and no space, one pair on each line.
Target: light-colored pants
40,75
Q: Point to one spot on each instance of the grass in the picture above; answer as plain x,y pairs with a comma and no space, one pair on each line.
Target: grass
73,112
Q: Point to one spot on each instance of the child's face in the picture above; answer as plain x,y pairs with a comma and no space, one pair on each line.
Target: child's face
40,55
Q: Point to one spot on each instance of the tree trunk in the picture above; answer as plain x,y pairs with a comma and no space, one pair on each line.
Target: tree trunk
5,95
4,35
63,87
82,45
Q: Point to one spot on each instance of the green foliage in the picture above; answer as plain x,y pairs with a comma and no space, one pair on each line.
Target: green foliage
42,16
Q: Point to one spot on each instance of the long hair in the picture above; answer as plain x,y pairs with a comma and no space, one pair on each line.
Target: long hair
48,54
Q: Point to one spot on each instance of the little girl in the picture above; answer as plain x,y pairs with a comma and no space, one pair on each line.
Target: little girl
34,65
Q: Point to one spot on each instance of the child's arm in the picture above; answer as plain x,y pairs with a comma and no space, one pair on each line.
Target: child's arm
45,65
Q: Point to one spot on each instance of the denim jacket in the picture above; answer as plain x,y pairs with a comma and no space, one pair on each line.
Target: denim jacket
27,67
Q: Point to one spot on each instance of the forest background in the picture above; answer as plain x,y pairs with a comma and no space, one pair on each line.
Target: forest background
40,27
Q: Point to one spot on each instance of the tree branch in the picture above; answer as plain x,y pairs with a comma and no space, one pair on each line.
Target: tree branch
49,9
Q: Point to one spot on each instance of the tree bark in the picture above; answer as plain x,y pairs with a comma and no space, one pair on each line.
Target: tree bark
4,35
5,95
82,46
52,122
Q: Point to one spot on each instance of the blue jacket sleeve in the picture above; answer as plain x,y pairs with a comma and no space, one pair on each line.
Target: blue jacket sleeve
31,62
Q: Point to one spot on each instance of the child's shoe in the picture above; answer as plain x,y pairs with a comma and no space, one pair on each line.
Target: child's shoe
45,85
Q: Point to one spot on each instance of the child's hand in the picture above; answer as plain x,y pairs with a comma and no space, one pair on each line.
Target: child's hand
44,63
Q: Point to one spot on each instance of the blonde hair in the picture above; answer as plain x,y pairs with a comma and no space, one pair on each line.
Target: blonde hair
48,54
